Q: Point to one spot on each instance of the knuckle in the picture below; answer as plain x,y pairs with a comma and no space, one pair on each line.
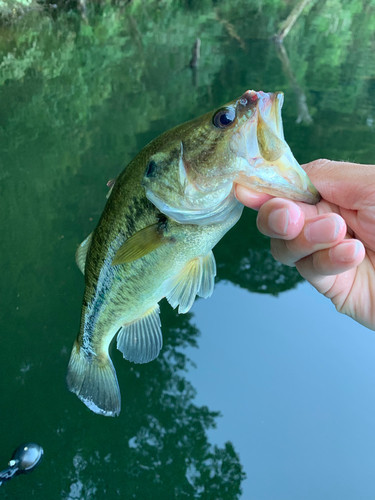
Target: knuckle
316,261
316,165
320,263
322,161
261,222
281,252
275,249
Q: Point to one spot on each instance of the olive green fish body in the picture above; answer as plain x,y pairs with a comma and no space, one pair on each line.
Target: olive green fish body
120,294
164,214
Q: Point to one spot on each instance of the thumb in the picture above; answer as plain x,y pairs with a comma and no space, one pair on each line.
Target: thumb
348,185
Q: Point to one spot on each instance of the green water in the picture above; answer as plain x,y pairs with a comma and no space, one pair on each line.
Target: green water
78,99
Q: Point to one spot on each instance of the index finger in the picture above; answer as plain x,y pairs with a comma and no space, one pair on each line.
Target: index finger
255,200
249,198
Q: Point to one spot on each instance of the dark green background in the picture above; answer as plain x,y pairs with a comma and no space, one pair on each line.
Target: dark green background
79,97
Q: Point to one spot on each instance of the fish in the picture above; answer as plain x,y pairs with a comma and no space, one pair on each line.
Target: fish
164,214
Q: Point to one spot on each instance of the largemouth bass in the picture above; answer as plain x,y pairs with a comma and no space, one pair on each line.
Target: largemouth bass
166,211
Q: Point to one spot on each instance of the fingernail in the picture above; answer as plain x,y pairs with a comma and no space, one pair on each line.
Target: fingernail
278,221
346,251
295,214
323,230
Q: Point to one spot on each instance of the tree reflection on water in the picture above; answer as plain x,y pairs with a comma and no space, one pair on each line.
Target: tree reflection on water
160,447
78,100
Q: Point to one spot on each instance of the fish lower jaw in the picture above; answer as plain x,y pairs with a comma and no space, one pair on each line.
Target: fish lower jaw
284,178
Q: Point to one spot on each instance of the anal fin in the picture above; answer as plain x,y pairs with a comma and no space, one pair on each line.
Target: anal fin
196,278
141,340
81,253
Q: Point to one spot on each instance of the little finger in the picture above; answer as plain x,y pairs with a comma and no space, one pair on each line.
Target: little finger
336,260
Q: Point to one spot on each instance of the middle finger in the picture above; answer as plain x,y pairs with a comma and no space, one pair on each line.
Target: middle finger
319,232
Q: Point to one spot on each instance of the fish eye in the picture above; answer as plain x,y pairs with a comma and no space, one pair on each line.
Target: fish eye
151,169
224,117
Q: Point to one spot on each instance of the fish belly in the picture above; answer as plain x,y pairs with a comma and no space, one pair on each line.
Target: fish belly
126,300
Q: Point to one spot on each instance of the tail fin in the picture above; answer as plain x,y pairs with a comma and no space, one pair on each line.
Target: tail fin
95,383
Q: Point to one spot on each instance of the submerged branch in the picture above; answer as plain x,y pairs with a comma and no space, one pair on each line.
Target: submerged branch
290,20
303,110
231,30
196,53
195,61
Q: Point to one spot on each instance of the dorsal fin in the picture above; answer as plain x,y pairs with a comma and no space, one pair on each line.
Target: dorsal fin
140,244
111,184
141,340
196,278
81,253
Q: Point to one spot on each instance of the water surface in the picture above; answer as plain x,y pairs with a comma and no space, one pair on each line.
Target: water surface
293,380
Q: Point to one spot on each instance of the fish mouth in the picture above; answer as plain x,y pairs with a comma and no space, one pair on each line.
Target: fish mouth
268,163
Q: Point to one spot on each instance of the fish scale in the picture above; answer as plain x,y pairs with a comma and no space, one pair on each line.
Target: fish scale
165,212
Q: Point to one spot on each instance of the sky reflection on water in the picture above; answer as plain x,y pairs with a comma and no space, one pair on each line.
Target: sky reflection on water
293,379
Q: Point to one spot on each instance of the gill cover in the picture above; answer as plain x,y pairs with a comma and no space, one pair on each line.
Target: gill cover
199,203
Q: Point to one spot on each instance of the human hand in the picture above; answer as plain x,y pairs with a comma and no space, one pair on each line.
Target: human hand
332,244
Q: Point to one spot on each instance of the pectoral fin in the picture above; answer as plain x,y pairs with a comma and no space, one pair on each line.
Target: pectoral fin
270,146
141,340
140,244
81,253
197,278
